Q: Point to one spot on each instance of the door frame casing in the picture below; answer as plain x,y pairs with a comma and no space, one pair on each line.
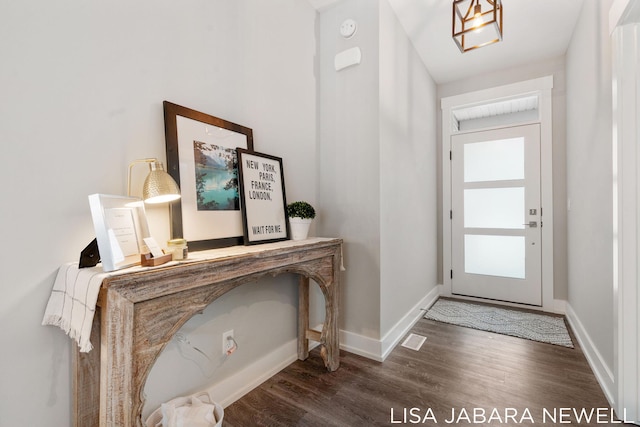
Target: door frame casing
541,88
624,27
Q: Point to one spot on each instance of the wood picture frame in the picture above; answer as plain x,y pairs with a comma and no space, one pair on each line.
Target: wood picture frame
264,202
202,158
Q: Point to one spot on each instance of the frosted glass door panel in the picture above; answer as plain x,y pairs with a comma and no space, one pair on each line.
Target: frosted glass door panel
494,208
494,160
502,256
495,190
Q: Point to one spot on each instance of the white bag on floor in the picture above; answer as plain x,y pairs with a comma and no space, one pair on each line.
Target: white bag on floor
193,411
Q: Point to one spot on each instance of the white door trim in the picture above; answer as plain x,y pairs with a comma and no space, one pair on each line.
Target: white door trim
541,88
624,25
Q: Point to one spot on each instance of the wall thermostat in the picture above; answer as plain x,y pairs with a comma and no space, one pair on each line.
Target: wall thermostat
348,28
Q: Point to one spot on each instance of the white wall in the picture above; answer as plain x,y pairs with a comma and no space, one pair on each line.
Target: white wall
349,159
589,183
82,86
408,214
377,174
556,68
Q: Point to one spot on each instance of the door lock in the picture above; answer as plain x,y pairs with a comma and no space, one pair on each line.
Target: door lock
532,224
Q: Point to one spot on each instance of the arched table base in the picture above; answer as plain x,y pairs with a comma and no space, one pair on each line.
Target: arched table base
139,312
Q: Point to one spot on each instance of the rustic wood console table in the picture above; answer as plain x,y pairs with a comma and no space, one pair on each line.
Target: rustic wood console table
138,313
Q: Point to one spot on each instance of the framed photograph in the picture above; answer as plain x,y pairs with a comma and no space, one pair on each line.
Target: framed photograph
263,197
121,226
202,158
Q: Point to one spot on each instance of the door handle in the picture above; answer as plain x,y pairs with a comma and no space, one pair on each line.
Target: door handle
532,224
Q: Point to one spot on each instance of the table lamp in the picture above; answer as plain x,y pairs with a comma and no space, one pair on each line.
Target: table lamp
159,186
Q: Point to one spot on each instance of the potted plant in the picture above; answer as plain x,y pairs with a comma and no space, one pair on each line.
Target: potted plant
300,216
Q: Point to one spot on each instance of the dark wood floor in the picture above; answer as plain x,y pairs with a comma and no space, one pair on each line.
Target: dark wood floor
457,370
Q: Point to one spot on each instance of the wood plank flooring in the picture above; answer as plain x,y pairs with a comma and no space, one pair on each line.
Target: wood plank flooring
456,372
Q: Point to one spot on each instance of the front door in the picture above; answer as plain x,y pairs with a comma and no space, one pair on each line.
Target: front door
495,216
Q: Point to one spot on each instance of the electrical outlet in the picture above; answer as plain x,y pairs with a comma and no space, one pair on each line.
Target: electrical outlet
227,342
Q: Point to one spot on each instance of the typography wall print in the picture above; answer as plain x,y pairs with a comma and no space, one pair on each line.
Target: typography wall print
263,197
202,158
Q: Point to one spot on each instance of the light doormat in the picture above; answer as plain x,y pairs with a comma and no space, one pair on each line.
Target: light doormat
532,326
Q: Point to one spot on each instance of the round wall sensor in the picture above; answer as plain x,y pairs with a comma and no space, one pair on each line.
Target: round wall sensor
348,28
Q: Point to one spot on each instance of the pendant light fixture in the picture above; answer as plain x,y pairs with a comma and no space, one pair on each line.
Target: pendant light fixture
476,23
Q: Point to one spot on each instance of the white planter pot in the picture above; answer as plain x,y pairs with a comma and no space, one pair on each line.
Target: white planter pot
299,228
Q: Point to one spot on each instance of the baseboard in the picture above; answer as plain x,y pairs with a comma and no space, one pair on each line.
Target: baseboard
601,371
560,306
368,347
378,350
404,325
233,388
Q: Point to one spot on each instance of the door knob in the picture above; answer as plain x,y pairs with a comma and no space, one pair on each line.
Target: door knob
532,224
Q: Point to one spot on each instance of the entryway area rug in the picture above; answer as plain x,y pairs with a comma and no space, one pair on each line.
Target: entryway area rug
532,326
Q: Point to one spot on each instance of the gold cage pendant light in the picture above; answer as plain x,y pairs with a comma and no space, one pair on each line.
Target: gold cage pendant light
476,23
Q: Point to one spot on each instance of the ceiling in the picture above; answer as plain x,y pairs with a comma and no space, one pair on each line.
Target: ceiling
534,30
